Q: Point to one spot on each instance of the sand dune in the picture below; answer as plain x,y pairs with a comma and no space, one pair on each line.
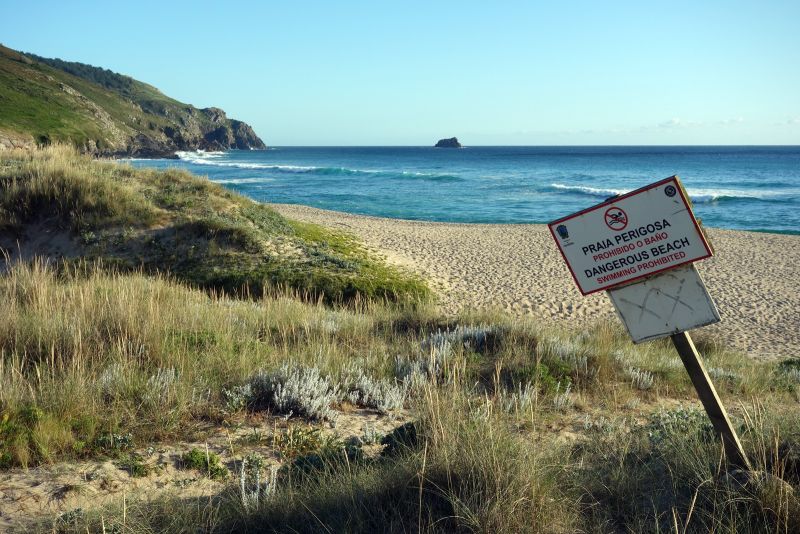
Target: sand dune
753,278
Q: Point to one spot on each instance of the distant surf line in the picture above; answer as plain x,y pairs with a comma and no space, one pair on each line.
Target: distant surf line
699,195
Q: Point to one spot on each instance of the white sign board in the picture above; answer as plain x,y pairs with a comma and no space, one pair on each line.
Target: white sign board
664,304
631,236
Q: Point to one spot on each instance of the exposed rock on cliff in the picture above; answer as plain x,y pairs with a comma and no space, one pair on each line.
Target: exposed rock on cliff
9,141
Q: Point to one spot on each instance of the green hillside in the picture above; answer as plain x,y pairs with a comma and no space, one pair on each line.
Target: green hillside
104,113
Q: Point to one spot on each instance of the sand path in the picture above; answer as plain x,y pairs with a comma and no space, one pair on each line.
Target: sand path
72,488
754,277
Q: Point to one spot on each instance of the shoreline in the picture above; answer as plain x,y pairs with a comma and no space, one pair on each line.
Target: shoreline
753,276
482,189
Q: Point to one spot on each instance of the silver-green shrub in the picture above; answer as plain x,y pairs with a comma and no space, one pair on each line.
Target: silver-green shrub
237,397
377,393
563,400
470,337
519,399
159,385
252,491
296,390
111,380
640,378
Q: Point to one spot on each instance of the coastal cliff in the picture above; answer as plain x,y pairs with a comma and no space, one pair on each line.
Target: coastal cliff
103,113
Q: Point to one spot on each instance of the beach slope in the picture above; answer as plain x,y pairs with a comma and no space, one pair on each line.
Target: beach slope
753,277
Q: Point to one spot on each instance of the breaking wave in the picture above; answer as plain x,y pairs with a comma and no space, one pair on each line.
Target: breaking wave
241,180
210,158
700,196
199,155
586,190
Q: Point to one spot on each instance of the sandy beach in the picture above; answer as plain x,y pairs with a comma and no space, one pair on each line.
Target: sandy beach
753,277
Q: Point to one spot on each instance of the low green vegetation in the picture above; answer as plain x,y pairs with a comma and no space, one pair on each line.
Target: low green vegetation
133,465
206,462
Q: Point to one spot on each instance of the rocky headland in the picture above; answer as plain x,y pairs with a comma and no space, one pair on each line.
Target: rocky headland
104,113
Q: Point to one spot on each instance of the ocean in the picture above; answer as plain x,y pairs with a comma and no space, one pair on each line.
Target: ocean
742,187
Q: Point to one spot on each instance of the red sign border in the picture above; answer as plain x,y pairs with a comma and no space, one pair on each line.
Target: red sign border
678,186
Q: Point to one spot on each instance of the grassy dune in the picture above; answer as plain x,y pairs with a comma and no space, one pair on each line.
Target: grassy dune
88,354
516,427
176,223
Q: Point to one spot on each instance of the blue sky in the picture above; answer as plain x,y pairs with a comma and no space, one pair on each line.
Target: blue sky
408,73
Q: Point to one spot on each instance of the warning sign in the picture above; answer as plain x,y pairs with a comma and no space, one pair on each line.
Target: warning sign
630,236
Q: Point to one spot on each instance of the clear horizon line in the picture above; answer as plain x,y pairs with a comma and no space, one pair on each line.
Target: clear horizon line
542,146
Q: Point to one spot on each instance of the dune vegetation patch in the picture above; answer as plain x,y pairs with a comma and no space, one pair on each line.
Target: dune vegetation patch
176,223
236,412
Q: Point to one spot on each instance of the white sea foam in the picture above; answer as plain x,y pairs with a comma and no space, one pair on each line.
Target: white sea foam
711,195
586,190
211,158
241,180
699,195
198,155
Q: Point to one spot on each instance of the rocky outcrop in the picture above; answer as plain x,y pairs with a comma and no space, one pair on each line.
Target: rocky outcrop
142,146
245,137
10,141
204,129
448,143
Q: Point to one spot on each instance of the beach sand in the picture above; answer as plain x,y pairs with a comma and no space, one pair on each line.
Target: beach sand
753,277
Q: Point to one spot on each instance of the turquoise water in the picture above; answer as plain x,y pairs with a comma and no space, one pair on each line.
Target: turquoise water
751,188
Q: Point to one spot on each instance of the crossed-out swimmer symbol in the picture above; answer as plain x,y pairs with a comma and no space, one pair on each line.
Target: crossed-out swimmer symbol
616,219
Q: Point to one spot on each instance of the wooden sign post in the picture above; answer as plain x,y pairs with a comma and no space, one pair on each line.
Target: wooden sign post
639,247
711,402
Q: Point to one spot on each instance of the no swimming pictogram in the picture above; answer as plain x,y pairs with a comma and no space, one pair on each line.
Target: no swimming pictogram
616,219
